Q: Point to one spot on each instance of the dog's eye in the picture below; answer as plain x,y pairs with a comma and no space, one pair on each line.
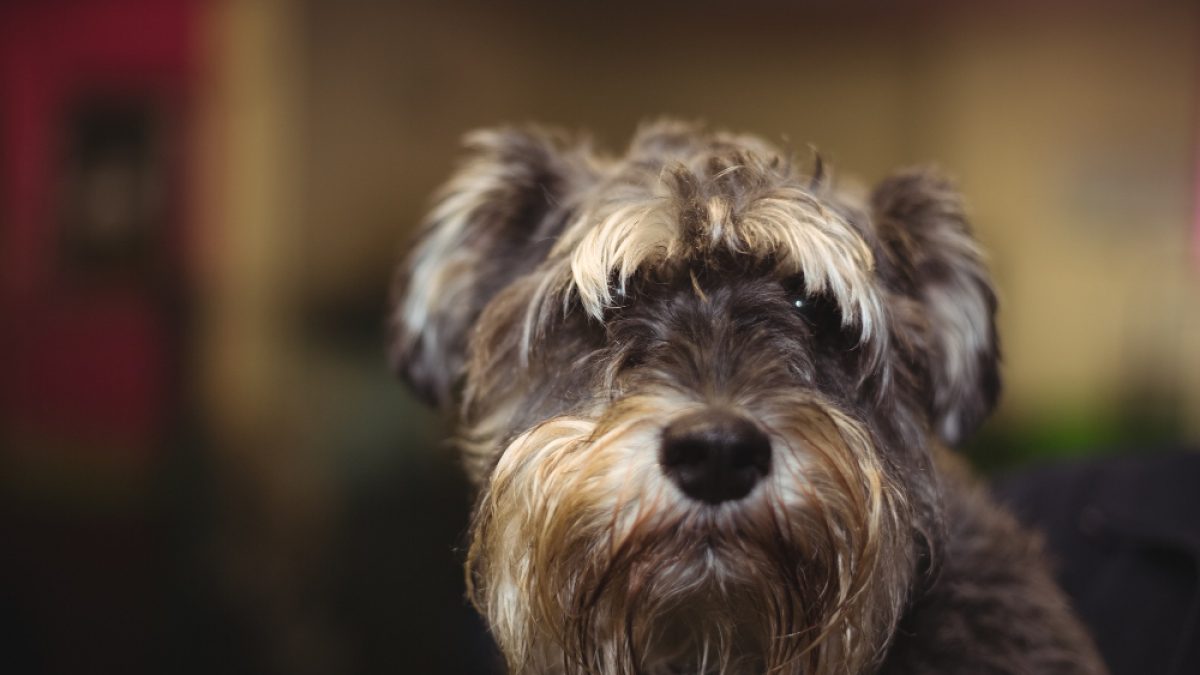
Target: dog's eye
797,295
812,308
817,309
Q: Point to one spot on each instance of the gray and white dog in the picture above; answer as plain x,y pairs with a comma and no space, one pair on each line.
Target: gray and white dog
707,402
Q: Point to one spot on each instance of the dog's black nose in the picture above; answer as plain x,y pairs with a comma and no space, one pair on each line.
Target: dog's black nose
715,456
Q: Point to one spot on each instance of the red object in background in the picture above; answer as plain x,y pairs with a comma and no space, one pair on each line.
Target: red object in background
94,99
91,362
86,353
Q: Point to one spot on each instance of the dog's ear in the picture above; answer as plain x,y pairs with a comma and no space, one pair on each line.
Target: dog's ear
495,220
950,317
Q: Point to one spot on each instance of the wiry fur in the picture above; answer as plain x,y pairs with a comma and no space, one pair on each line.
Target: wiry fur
570,306
620,567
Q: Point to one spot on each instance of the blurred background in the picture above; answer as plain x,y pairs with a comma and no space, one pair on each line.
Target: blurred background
206,464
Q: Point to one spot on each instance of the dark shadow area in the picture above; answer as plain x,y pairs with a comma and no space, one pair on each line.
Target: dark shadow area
1125,533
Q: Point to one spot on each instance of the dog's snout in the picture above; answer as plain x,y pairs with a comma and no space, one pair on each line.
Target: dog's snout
715,456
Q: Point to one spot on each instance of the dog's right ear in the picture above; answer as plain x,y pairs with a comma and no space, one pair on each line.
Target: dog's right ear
952,307
495,220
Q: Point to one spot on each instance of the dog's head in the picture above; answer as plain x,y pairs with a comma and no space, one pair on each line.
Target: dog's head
699,393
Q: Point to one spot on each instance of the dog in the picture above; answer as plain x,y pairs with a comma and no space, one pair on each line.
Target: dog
709,403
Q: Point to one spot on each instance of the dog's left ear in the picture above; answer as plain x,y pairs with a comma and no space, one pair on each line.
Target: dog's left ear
495,220
936,263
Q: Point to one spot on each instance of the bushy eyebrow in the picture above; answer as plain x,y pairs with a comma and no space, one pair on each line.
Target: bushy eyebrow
607,244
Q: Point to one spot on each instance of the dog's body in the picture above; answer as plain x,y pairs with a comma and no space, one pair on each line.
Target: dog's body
707,402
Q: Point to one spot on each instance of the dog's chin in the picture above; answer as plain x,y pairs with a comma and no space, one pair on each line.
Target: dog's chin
715,624
704,596
707,639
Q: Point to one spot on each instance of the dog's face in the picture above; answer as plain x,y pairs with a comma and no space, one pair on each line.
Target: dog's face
699,394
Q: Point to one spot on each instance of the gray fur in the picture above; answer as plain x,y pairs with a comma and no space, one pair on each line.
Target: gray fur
568,306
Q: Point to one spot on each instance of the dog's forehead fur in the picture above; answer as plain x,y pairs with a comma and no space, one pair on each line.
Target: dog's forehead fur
679,198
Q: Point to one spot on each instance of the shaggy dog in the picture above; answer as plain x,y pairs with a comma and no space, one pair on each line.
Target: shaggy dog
708,401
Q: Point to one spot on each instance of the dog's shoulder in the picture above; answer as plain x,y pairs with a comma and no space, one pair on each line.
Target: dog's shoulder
990,604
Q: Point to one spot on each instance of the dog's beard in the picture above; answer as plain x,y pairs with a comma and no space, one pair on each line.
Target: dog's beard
586,559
